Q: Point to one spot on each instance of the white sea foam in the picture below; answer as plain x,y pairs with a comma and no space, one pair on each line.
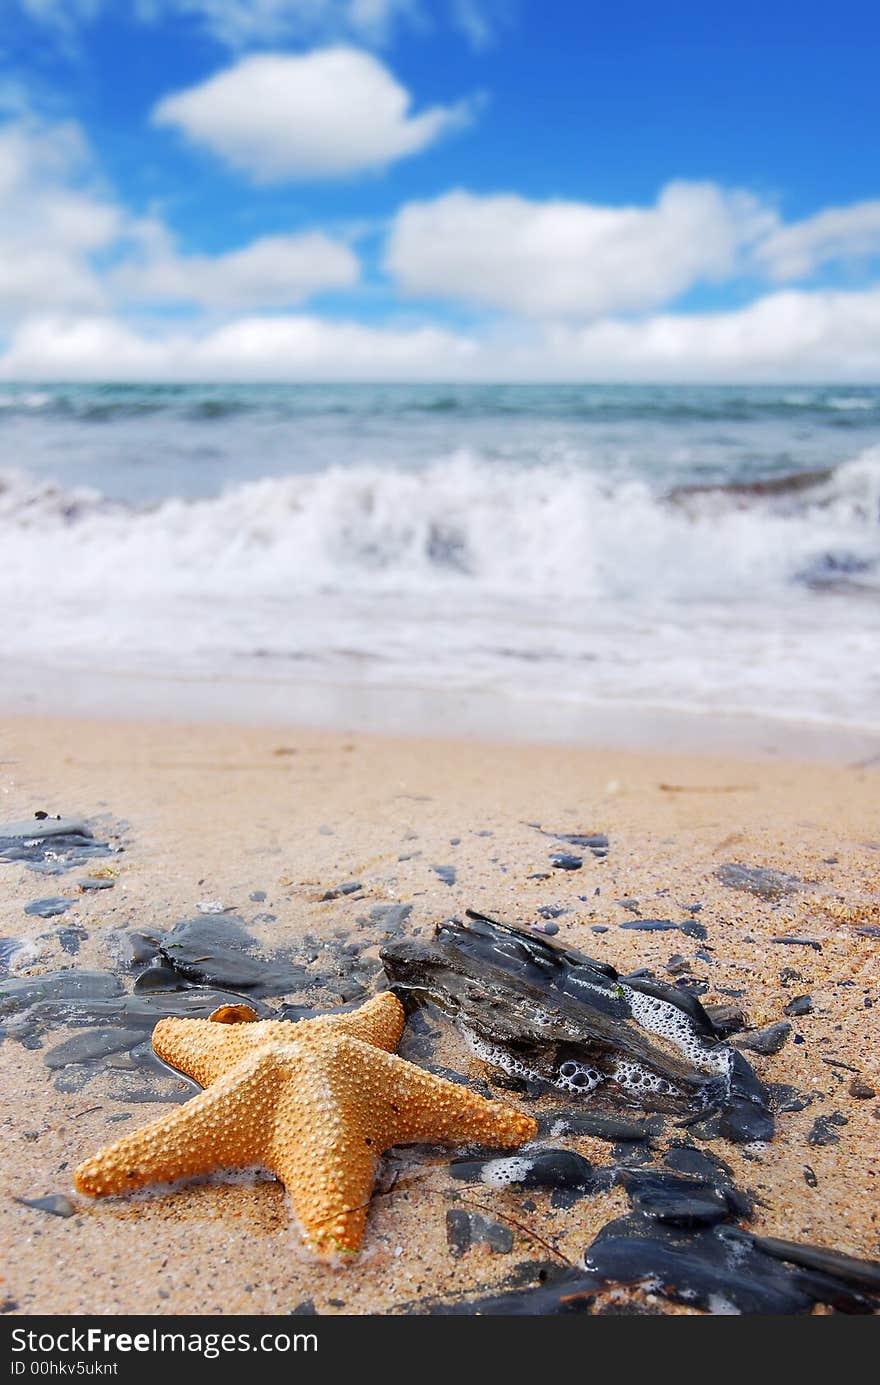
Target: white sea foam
538,582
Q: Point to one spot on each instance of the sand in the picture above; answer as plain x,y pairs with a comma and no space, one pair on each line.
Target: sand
215,813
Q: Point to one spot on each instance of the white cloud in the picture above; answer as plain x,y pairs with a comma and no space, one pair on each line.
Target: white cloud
836,234
277,116
53,219
792,335
58,224
571,259
273,272
251,348
238,23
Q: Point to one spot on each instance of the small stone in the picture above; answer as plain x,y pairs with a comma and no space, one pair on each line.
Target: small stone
562,861
861,1089
769,1040
56,1204
49,908
800,1005
757,880
350,887
822,1132
793,941
465,1230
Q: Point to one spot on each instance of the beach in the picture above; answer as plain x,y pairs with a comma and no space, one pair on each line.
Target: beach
267,823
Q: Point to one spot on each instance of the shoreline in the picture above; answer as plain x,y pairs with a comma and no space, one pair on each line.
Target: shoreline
31,689
216,814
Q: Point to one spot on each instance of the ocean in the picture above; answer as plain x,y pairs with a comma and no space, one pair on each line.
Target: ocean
707,550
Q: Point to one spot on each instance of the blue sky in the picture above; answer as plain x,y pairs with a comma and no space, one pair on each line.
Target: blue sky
458,189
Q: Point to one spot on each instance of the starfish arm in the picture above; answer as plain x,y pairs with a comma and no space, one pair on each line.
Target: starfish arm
423,1107
223,1127
329,1189
379,1022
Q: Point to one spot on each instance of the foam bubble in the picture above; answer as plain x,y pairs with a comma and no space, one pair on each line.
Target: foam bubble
664,1019
504,1173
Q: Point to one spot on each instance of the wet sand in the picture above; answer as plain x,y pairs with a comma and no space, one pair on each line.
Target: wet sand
214,814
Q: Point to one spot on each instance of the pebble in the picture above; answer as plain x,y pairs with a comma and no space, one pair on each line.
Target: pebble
769,1040
464,1230
822,1131
562,861
800,1005
688,927
56,1204
49,908
338,891
861,1089
757,880
91,1044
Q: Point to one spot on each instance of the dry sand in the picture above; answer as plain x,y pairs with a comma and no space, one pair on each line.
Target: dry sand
216,813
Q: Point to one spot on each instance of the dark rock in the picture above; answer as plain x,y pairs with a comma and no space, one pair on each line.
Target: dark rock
49,908
464,1230
758,880
792,941
535,1288
21,993
338,891
694,985
446,874
598,928
91,1044
257,896
822,1131
688,927
8,949
679,1200
562,861
90,884
810,1177
678,965
559,1017
769,1040
726,1019
861,1274
215,951
868,930
161,978
800,1005
719,1269
541,1168
70,939
50,846
612,1128
390,917
861,1089
784,1098
56,1204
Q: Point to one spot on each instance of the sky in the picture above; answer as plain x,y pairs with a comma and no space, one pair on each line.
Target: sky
439,189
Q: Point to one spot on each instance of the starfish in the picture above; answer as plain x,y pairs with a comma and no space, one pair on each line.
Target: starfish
315,1102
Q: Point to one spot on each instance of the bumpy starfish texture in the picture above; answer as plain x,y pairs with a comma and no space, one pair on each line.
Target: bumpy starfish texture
316,1102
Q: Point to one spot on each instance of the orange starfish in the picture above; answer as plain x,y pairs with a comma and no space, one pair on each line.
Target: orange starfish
316,1102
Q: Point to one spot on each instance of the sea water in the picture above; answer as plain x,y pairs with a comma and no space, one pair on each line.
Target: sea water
702,549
